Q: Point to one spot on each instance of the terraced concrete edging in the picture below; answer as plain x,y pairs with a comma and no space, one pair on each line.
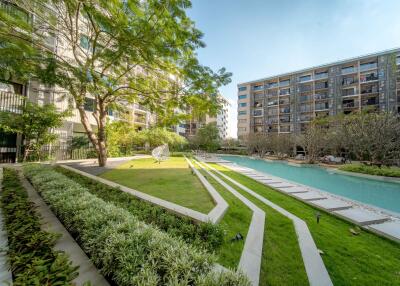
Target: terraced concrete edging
250,260
66,243
313,263
5,273
177,209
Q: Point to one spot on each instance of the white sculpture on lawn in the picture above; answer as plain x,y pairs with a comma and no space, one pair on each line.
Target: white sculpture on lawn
160,153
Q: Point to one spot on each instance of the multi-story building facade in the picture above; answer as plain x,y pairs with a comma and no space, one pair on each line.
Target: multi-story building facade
221,120
286,103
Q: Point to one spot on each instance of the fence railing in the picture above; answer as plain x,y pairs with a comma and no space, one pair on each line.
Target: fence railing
11,102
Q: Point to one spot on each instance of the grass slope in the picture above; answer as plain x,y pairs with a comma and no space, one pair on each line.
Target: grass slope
170,180
372,170
366,259
281,263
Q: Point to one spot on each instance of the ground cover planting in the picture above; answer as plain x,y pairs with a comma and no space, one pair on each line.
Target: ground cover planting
126,250
30,252
372,170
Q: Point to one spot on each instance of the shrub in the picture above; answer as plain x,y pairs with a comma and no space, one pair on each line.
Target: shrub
125,249
32,257
372,170
205,235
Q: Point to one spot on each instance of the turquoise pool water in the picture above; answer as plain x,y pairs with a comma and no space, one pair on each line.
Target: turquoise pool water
385,195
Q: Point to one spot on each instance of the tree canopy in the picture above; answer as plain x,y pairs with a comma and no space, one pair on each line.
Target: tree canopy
115,51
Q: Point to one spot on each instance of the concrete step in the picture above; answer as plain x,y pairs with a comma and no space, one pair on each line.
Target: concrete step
293,190
332,204
361,216
309,196
389,229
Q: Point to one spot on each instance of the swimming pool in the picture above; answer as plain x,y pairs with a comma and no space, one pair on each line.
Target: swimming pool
385,195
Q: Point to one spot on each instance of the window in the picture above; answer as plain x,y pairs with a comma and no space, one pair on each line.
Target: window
369,77
243,96
321,85
242,129
271,85
349,80
258,87
284,82
348,92
242,112
368,66
305,78
321,106
349,69
89,104
258,112
84,42
284,91
321,75
305,88
243,104
242,120
242,88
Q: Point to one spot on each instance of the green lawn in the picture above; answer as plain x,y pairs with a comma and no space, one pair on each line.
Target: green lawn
281,263
171,180
372,170
365,259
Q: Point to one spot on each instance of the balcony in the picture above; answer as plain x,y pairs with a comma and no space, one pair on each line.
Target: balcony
284,129
349,70
257,113
258,87
321,96
368,78
271,85
322,106
11,102
398,60
350,105
284,102
273,120
305,98
369,90
349,92
368,66
370,102
320,75
258,104
305,78
284,83
305,88
272,93
321,85
285,91
285,110
273,103
285,119
349,81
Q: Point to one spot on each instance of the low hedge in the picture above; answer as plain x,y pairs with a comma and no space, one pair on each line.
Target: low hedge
32,258
372,170
205,235
126,250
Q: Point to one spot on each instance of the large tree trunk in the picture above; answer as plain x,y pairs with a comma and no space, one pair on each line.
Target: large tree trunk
97,141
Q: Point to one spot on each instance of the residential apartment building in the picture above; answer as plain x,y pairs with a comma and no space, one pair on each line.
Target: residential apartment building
286,103
221,120
13,94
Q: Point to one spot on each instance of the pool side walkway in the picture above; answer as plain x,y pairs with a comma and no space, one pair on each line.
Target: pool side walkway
346,209
5,272
250,260
313,263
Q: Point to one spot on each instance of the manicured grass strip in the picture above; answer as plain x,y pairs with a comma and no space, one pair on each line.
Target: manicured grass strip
204,235
123,248
365,259
282,263
170,180
32,257
372,170
236,220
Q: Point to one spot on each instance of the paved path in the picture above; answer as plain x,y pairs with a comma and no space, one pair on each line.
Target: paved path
5,273
315,268
91,165
365,216
87,271
250,260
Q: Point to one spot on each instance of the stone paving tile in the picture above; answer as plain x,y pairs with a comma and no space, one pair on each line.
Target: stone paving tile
309,196
390,229
293,190
361,216
331,204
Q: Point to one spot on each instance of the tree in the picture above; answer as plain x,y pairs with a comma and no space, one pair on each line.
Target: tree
313,140
207,137
35,124
281,144
118,52
259,143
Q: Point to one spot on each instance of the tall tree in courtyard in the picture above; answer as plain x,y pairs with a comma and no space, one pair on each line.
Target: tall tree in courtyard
115,51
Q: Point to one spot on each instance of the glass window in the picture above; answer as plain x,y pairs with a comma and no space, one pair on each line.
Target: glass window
243,96
242,112
284,82
271,85
258,112
305,78
350,69
321,75
398,60
242,88
243,104
368,66
284,91
258,87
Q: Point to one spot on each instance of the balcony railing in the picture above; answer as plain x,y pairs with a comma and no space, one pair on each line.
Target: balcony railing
305,98
258,87
368,78
284,110
321,85
351,105
348,70
321,96
370,90
369,66
321,75
271,85
11,102
283,102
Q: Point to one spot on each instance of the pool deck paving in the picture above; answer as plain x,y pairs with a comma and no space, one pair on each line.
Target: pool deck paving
368,217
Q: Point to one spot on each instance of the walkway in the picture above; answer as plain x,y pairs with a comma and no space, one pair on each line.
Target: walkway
50,223
313,263
250,260
5,273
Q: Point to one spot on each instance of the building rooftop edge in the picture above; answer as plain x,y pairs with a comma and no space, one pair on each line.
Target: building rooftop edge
323,65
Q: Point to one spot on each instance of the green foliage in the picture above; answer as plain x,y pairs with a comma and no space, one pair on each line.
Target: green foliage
206,138
79,142
125,249
32,257
35,124
132,51
123,139
204,235
371,170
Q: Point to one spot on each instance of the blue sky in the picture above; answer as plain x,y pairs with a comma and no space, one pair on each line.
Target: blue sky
258,38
